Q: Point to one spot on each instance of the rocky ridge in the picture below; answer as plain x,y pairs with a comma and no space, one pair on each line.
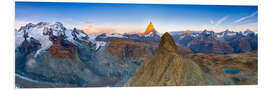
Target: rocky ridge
167,68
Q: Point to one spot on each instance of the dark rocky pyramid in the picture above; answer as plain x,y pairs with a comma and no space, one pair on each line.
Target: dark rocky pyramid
167,68
167,44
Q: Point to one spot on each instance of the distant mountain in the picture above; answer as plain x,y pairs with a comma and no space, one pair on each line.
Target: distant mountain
167,68
52,53
150,28
151,37
221,42
150,34
48,52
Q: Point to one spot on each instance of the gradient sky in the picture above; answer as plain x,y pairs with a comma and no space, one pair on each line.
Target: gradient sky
125,18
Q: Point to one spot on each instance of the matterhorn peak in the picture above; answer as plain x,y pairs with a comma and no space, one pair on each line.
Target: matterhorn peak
150,28
187,32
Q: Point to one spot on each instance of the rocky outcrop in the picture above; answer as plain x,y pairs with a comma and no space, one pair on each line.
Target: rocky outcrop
63,49
26,49
167,68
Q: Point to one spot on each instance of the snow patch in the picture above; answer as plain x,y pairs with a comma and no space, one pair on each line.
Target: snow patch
231,34
37,33
100,44
116,35
195,35
68,33
151,34
220,35
18,38
181,37
92,37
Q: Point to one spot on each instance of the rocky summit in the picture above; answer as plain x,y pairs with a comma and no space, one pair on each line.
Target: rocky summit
150,28
167,68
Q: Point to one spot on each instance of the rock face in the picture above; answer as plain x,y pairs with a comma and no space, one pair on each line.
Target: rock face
167,68
63,49
28,47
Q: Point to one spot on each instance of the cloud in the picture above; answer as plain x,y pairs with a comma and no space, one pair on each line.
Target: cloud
221,20
212,22
245,17
89,28
215,25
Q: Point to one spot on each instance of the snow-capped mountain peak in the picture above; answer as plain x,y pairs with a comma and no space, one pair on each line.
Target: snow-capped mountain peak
116,35
44,32
41,32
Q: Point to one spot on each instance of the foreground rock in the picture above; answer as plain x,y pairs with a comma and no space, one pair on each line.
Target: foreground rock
167,68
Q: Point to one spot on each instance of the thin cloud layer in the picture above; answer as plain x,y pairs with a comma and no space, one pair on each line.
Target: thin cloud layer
245,18
221,20
91,29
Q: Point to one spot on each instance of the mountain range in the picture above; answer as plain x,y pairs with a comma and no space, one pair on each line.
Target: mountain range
52,55
221,43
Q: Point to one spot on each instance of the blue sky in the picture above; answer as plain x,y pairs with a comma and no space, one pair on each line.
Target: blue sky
110,18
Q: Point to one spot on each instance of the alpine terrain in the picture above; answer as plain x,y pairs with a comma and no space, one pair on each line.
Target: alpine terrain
51,55
167,68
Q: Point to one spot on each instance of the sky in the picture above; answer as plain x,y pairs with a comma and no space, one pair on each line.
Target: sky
130,18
